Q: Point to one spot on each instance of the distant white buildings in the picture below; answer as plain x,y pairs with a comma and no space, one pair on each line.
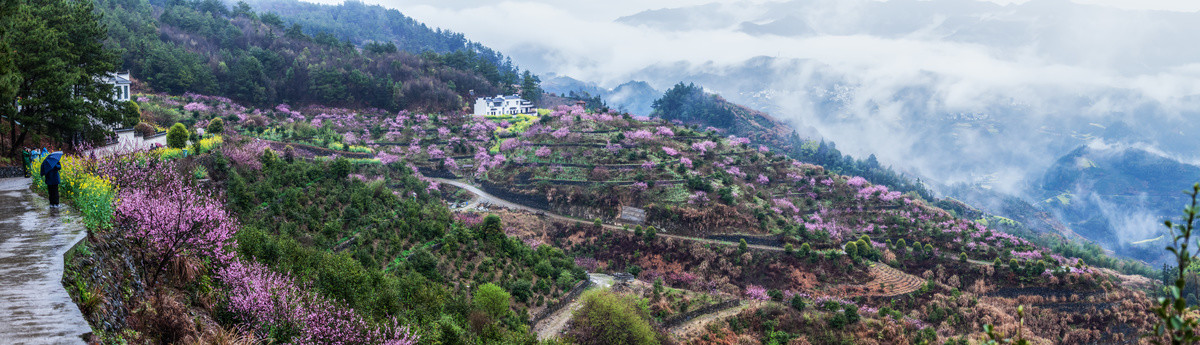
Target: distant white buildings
120,83
503,105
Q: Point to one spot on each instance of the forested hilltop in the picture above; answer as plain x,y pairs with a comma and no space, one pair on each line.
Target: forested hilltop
362,24
254,57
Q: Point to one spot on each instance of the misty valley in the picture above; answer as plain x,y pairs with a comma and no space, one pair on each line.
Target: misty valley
626,172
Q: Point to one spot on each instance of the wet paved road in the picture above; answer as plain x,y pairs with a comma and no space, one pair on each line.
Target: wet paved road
34,306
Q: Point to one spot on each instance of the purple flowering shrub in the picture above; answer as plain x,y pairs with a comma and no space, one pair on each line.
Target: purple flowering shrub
172,218
276,306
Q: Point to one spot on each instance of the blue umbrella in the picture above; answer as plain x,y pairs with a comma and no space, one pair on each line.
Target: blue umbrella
50,167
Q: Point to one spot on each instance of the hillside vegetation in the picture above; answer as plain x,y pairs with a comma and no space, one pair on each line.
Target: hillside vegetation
831,257
208,48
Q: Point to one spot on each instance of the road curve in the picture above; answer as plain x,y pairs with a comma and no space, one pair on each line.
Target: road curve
486,198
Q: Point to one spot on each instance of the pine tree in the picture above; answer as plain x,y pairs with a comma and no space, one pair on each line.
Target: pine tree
531,89
60,62
177,136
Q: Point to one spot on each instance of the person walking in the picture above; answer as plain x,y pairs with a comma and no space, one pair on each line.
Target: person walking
26,160
50,168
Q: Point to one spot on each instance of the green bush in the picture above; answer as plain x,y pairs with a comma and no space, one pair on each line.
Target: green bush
605,318
177,136
492,299
799,303
216,126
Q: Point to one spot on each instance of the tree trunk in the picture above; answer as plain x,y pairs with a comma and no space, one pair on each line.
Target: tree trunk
13,140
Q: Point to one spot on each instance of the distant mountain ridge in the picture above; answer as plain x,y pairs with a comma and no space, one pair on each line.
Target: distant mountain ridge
1116,194
635,97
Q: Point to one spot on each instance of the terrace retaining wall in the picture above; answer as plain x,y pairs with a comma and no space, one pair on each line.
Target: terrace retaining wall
562,302
688,316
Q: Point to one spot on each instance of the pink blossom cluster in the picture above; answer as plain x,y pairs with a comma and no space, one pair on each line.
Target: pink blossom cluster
606,117
704,146
469,219
664,131
215,99
648,165
822,299
1028,255
542,152
735,171
737,141
612,148
267,300
589,264
195,106
414,147
857,181
560,133
786,204
755,292
762,179
510,144
175,218
699,197
485,162
687,162
794,177
640,135
818,223
670,151
245,156
640,186
450,163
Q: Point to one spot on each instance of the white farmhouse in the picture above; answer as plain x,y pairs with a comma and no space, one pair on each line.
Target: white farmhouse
503,105
120,83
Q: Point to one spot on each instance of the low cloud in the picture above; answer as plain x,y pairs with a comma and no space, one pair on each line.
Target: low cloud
957,91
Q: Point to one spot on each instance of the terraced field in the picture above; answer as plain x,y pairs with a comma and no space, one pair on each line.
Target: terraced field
886,282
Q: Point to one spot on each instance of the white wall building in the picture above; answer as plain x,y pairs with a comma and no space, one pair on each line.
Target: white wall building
120,83
503,105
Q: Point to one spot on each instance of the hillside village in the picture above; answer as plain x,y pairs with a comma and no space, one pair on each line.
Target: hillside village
254,181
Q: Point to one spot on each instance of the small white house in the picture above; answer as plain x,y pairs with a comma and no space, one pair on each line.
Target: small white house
503,105
120,83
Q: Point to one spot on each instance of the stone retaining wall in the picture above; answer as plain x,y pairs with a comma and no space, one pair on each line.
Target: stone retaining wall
688,316
562,302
